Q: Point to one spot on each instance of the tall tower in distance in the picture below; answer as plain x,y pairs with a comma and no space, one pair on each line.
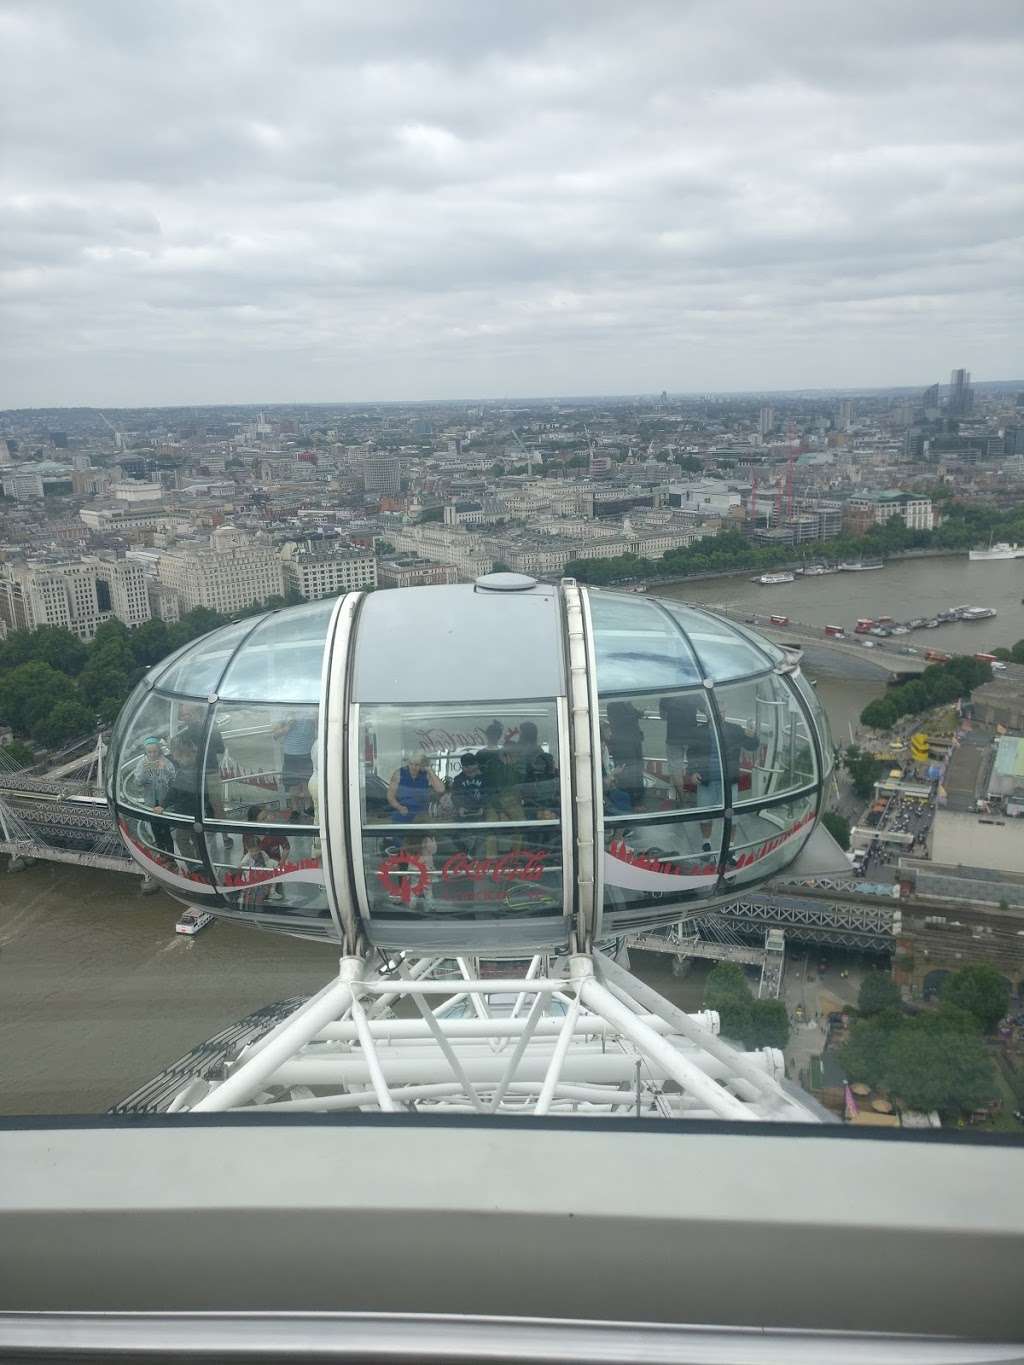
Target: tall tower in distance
766,420
961,395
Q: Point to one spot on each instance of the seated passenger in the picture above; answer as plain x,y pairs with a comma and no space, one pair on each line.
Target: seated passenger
411,788
536,779
468,790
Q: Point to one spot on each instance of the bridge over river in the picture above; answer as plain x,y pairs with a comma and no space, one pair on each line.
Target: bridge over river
849,657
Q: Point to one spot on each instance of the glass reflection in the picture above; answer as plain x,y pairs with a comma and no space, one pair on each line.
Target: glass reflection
637,647
766,840
260,756
196,672
768,746
821,721
169,845
659,752
660,863
723,652
271,865
282,659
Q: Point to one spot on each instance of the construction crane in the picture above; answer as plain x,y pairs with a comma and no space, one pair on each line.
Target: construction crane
525,449
118,438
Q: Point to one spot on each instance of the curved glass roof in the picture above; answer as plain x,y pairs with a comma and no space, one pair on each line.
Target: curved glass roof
277,657
647,644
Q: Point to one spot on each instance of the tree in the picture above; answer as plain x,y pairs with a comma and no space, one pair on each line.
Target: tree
499,566
864,1053
838,826
68,720
878,992
981,991
51,645
864,770
151,642
28,692
727,991
726,981
930,1065
880,714
769,1024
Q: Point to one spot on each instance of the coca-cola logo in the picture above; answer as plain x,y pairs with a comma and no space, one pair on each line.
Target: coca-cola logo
517,866
439,740
405,875
413,883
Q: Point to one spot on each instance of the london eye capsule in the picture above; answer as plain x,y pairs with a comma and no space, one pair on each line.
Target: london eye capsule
505,767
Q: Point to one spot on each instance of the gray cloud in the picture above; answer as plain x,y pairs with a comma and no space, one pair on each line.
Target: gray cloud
218,201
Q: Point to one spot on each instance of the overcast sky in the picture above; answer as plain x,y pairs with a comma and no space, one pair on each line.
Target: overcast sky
206,201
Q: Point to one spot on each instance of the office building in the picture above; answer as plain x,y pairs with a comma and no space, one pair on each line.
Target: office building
228,575
766,420
325,568
961,395
77,596
876,508
382,474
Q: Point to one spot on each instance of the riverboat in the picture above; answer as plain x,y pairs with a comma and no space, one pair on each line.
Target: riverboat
769,580
975,613
1001,550
192,921
861,566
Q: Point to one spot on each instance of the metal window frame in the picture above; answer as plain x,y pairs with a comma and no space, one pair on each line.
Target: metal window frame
333,767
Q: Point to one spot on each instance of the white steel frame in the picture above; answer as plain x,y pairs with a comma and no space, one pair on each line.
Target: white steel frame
610,1046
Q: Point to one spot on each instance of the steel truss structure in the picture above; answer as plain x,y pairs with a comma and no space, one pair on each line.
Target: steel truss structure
571,1034
872,928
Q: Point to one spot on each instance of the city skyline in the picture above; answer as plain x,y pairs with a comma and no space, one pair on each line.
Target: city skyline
433,206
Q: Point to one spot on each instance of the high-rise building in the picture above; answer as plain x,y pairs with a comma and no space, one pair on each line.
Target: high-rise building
325,568
229,575
766,420
382,474
930,403
845,416
961,395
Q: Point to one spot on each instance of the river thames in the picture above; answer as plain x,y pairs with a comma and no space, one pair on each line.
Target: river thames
97,992
902,589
